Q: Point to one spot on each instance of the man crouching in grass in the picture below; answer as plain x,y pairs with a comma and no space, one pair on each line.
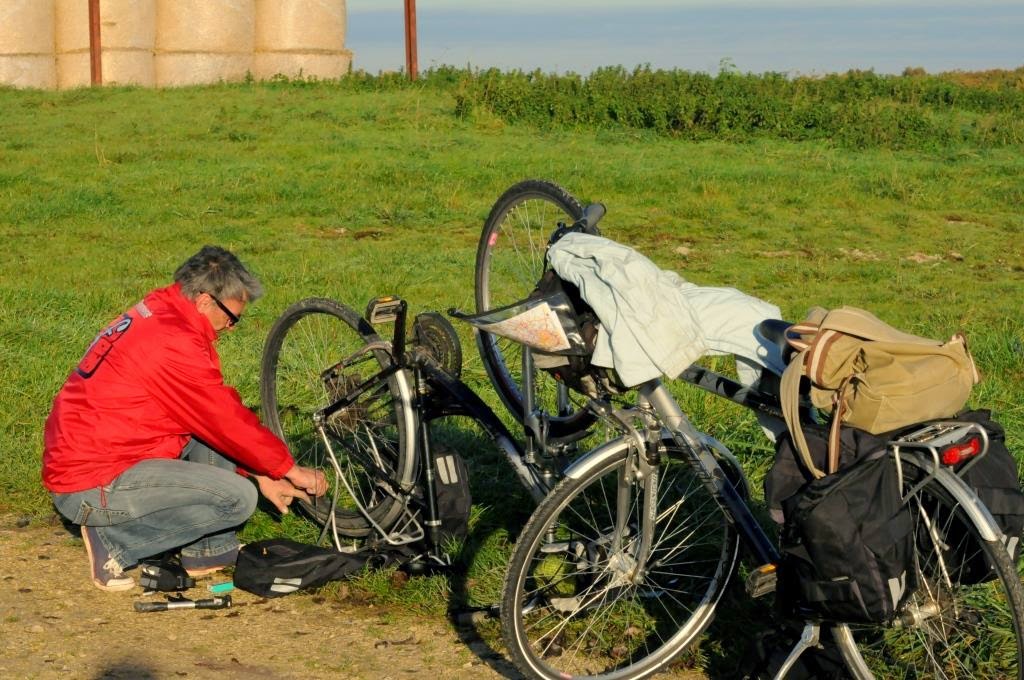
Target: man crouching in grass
148,450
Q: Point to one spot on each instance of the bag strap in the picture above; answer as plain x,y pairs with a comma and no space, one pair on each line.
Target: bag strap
789,395
796,334
834,432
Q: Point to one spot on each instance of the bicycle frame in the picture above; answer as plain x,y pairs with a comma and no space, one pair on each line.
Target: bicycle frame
461,400
434,394
655,400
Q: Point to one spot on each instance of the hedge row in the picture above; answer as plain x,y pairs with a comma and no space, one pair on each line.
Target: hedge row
856,109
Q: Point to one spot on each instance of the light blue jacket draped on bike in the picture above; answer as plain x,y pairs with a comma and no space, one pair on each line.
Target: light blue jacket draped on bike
653,322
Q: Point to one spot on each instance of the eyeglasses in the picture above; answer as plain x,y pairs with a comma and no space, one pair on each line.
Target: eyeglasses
233,318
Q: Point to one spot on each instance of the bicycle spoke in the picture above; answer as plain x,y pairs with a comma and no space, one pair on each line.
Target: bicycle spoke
588,611
316,357
960,622
510,261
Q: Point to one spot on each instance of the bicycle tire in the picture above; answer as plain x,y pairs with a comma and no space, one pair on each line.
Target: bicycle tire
372,437
568,607
953,626
509,263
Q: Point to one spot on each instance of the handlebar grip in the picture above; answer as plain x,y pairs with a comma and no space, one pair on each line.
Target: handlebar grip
592,214
587,223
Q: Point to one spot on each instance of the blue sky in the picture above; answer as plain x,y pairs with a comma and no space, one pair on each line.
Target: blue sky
771,35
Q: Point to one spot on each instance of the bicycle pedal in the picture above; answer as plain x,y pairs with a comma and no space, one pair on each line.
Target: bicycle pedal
384,309
762,580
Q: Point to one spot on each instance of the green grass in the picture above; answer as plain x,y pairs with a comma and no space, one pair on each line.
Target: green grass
370,188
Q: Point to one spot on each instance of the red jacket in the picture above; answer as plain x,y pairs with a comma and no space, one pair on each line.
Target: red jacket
147,383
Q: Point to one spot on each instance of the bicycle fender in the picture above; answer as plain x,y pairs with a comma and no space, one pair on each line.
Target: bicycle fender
613,448
597,457
988,530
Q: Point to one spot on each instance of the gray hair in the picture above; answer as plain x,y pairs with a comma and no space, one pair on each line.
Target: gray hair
218,272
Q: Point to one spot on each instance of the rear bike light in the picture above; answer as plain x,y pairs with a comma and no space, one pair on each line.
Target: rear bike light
958,453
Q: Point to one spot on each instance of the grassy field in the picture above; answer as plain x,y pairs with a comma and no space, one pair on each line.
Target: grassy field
355,191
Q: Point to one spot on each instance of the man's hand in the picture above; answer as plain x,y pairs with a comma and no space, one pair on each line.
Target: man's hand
280,492
312,481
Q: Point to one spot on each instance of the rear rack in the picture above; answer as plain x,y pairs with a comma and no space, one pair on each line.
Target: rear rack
929,441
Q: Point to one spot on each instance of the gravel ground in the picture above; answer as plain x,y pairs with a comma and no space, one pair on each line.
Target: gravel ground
54,622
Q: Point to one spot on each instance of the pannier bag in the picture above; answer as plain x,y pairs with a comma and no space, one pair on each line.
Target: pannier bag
994,478
280,566
847,544
454,500
871,376
788,473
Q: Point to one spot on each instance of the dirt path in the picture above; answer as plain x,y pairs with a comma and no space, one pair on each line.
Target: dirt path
53,622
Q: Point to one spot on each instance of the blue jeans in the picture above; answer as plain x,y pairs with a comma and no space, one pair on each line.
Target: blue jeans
160,504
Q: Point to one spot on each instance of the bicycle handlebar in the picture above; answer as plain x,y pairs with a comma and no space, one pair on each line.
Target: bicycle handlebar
592,214
586,224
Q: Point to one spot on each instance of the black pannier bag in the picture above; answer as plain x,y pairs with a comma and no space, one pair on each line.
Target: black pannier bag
454,500
788,474
994,478
280,566
847,544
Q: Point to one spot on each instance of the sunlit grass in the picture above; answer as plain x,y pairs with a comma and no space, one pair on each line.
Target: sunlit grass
351,193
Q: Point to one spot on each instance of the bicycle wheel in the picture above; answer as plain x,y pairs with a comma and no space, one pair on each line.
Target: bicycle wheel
372,439
509,263
572,604
962,621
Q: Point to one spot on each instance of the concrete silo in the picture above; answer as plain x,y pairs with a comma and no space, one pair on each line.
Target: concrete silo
46,43
27,55
301,38
204,41
128,30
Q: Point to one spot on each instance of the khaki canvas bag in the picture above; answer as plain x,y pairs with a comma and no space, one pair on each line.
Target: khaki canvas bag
871,376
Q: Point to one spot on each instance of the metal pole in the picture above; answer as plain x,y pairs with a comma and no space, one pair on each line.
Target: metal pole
411,66
95,50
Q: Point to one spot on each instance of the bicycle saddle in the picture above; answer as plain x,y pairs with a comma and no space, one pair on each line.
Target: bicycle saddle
774,331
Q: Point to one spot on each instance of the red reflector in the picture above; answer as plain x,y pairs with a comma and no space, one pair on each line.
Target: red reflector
958,453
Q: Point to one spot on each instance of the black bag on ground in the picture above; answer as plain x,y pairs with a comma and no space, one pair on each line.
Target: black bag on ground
164,573
280,566
847,544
